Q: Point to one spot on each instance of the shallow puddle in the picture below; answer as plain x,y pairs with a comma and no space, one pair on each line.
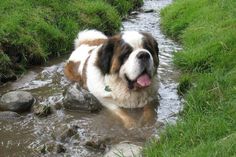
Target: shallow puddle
23,137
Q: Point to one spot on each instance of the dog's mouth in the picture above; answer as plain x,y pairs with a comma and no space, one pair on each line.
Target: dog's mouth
142,81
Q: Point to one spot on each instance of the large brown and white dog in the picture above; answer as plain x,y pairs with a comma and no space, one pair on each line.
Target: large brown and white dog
120,71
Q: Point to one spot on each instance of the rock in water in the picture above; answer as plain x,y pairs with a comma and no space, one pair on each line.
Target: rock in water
51,148
76,98
149,11
124,149
41,110
9,115
68,133
98,144
16,101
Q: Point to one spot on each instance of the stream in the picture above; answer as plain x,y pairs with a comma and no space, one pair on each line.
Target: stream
23,137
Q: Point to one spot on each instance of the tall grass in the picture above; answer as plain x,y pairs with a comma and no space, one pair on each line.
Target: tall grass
31,32
207,125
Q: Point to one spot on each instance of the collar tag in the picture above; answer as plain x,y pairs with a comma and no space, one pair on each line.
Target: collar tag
108,89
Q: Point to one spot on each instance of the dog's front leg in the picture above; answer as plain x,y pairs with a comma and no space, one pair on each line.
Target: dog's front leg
127,120
149,115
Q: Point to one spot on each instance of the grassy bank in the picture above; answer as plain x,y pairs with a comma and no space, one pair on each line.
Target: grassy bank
207,125
31,32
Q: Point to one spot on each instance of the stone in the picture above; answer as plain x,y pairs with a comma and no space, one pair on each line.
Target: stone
16,101
76,98
134,13
42,110
149,11
52,147
125,149
58,106
9,115
98,144
68,133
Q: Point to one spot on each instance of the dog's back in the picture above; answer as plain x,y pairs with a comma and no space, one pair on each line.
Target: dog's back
90,38
85,43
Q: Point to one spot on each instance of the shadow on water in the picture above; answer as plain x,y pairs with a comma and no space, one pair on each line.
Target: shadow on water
22,137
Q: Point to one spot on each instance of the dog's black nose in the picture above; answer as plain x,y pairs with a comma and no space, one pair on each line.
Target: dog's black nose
143,55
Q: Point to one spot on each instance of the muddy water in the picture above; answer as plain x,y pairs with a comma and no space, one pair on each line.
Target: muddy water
23,137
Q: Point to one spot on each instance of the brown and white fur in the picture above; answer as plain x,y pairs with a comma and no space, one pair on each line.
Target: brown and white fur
120,71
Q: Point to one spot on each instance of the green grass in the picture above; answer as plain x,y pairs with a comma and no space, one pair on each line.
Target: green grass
184,84
124,6
32,32
207,125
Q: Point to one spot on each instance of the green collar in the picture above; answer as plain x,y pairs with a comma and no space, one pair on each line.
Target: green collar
107,88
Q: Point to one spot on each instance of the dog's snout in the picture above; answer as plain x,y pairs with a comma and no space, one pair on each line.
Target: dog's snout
143,55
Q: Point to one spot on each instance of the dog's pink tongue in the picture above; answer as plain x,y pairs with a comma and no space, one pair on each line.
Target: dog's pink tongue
144,80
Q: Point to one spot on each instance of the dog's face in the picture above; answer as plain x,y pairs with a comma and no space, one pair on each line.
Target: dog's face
133,56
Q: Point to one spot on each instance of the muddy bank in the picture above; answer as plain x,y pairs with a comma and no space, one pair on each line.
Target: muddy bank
32,32
47,84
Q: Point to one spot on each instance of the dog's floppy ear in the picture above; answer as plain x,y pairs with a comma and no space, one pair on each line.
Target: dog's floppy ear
150,42
105,55
151,45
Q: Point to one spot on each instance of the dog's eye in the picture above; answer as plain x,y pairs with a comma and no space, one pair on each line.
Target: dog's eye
126,50
125,54
148,46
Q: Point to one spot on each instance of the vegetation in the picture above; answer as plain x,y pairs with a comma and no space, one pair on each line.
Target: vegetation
124,6
207,124
31,32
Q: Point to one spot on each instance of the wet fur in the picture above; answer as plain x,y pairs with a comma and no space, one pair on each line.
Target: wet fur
97,61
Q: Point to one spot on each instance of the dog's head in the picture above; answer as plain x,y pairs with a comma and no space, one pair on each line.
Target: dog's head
133,56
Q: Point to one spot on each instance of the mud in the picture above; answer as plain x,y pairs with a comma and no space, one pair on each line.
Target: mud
23,137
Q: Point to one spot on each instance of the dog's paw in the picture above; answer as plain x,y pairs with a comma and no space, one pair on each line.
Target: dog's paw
130,123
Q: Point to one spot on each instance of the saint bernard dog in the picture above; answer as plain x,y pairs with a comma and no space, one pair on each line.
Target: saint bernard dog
120,71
